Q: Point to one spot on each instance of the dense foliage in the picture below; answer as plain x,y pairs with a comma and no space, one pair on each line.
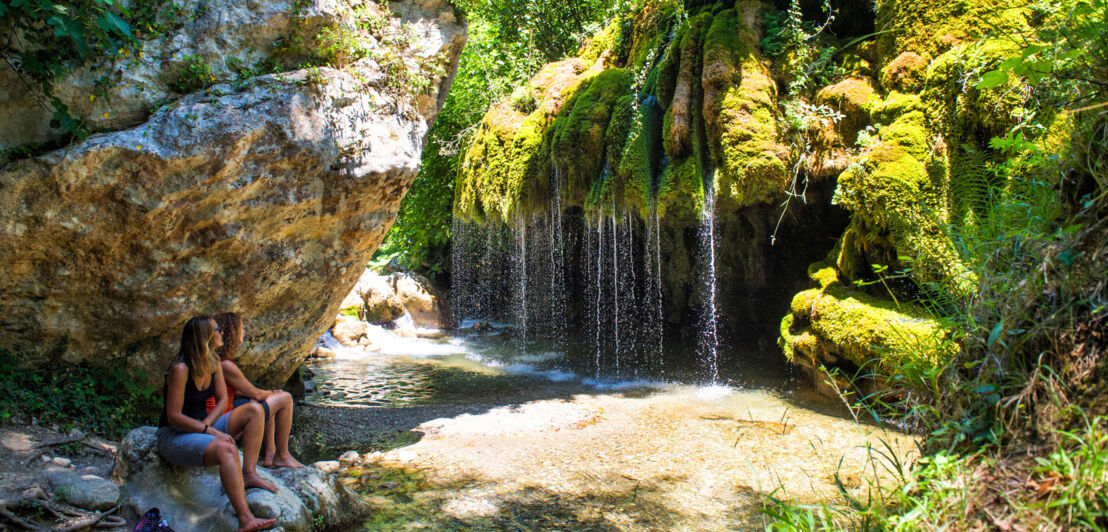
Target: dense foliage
508,41
108,400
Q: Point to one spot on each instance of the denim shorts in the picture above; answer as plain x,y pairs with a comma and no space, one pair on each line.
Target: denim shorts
187,448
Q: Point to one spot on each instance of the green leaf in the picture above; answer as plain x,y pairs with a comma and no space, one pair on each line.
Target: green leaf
991,79
994,335
111,22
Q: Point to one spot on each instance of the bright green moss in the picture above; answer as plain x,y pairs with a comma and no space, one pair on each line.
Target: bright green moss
579,134
859,328
353,310
929,27
481,186
896,104
681,191
823,274
606,41
909,131
853,97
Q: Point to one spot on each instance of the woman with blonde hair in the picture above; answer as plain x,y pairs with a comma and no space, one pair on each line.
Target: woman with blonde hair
188,436
277,404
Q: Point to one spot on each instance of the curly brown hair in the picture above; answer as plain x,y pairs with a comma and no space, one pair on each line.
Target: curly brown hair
230,325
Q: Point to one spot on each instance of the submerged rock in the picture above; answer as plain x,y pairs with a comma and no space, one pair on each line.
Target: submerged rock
193,498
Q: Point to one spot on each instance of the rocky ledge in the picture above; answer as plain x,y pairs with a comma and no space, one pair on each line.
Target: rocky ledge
193,499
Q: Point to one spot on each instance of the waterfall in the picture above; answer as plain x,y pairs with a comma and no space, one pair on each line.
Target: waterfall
520,270
553,273
708,346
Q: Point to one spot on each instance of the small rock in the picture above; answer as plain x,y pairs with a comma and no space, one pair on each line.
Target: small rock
46,459
322,352
327,466
64,462
83,490
390,485
348,481
348,458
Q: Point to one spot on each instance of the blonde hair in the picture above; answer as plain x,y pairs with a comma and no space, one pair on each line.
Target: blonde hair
194,352
230,325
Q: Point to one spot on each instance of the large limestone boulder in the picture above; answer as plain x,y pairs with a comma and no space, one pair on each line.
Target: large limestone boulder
419,297
191,498
265,198
348,330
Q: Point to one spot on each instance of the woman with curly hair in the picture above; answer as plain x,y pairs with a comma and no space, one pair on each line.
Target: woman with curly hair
277,404
189,436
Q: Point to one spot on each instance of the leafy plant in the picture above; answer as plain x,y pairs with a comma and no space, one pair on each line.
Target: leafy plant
109,400
192,75
51,38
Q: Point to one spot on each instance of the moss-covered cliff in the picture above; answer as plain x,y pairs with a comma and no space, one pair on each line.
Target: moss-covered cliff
679,101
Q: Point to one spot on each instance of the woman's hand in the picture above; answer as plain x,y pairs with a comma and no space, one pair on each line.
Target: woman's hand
221,435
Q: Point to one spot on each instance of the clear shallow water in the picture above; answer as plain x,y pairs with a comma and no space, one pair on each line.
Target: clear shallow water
425,367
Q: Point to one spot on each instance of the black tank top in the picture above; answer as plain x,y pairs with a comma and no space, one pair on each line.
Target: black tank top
195,402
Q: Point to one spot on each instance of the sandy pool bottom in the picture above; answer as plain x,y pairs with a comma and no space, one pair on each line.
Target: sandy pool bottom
678,458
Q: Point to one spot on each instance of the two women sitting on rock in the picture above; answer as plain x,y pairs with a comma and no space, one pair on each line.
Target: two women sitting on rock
192,434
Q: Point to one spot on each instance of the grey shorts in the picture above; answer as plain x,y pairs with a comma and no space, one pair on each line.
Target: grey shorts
187,448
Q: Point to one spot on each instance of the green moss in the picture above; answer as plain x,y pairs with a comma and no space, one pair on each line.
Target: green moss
859,328
607,40
930,27
481,186
904,73
579,135
823,274
853,97
896,104
353,310
681,191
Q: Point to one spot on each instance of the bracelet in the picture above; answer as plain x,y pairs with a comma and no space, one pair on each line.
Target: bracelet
206,427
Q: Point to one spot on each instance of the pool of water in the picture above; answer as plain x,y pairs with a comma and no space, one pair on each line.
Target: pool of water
489,363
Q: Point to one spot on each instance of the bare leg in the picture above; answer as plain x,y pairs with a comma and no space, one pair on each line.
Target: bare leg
226,455
268,447
248,420
280,407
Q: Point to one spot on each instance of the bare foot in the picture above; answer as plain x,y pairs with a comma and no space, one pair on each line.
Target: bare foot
252,524
256,481
268,460
286,461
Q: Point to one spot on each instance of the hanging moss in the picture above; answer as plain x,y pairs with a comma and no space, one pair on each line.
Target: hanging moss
480,187
854,97
579,136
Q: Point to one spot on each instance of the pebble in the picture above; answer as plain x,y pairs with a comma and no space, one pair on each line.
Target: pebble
327,466
64,462
390,485
348,458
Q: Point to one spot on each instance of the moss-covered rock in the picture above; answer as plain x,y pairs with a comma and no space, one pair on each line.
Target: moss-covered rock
837,326
930,27
853,97
904,73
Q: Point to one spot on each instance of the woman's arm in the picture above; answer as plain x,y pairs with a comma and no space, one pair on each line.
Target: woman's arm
239,382
221,399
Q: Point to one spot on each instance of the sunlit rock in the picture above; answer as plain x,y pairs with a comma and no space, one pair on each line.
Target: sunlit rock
266,198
